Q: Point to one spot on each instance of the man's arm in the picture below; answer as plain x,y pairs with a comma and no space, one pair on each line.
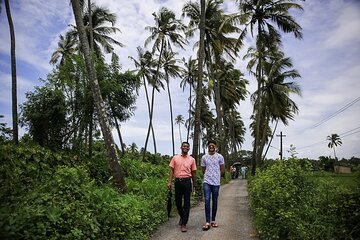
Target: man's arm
171,174
222,169
193,175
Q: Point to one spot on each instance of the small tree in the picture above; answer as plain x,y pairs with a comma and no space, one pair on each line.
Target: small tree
334,141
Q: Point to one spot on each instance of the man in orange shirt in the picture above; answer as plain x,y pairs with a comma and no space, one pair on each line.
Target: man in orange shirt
183,168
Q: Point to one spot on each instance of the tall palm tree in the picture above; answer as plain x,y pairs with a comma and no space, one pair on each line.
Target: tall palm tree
199,85
217,42
179,120
334,141
275,92
115,167
165,33
189,77
145,65
262,15
13,74
171,69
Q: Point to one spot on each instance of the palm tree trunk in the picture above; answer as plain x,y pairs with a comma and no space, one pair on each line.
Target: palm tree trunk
115,167
272,136
152,99
13,75
120,137
171,118
189,115
199,81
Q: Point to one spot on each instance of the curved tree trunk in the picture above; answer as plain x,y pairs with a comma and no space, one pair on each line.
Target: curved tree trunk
115,167
13,75
201,56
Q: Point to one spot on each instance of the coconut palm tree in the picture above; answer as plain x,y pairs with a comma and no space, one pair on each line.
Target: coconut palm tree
171,69
99,28
115,167
216,44
189,75
165,33
15,117
67,47
262,17
334,141
179,120
146,71
275,93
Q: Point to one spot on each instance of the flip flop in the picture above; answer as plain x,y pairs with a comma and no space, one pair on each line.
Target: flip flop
214,224
206,227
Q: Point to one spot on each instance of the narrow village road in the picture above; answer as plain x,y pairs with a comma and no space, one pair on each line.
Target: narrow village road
233,218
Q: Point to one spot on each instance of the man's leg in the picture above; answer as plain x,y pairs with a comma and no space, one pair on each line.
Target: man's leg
187,194
178,198
207,192
215,195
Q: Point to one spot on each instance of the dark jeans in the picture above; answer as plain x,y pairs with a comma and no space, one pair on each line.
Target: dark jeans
183,188
213,192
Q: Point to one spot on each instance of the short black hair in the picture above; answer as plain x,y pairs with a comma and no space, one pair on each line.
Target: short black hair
185,143
211,142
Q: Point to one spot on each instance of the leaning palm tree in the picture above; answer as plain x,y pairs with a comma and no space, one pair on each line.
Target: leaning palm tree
97,25
145,65
115,166
261,16
165,33
179,120
13,74
171,69
334,141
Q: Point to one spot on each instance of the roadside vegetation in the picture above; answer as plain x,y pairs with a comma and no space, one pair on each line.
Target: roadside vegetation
62,195
292,200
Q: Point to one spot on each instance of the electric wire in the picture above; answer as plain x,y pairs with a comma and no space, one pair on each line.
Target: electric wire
336,113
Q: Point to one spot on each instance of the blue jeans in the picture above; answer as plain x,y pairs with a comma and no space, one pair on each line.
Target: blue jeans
213,192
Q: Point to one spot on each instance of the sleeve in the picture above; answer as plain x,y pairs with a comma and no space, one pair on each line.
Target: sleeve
203,164
221,161
193,165
172,163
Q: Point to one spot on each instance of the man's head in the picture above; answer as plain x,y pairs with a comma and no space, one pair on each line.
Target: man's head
211,146
185,147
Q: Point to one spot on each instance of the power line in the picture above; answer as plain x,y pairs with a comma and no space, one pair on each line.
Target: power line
345,134
336,113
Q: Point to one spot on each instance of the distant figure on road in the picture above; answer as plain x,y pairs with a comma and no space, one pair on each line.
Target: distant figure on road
243,172
233,172
213,166
183,168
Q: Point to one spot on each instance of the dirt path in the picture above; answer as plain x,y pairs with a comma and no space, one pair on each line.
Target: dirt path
233,218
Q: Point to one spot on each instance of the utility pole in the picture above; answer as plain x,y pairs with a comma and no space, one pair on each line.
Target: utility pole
281,151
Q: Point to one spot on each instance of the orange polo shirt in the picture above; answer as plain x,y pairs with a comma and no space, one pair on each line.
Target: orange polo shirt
183,165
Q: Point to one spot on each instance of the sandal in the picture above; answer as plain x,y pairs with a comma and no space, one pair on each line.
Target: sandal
214,224
206,227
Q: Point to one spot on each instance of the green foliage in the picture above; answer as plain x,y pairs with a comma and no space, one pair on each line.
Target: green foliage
44,114
289,203
5,132
47,195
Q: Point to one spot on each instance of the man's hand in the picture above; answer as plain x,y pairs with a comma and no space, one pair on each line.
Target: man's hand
169,185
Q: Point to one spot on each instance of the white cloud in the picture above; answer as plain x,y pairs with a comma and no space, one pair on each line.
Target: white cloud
327,59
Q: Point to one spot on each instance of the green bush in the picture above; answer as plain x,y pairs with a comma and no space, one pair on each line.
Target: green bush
289,203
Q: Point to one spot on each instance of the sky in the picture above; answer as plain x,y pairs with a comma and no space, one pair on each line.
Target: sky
327,58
